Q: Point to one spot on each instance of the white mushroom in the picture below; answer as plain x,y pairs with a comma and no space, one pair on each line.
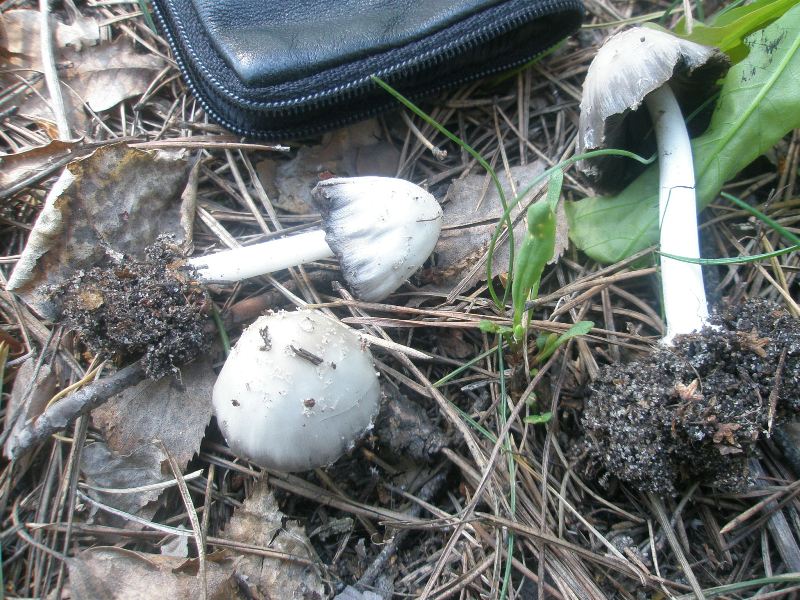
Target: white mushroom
653,67
382,229
296,392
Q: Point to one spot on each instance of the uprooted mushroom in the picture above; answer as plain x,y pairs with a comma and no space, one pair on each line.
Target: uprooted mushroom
382,230
694,408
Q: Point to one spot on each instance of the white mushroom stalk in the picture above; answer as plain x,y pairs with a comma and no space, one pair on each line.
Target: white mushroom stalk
243,263
382,230
650,66
683,290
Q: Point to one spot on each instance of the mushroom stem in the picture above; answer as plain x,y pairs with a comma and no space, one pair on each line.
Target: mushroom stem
683,291
238,264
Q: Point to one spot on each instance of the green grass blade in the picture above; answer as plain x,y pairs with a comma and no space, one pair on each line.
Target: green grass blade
788,235
472,152
735,260
147,16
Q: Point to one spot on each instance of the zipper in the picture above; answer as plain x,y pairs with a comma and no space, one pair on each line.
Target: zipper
352,90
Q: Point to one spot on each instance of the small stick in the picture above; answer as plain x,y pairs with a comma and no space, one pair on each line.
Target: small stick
62,413
50,74
378,566
437,152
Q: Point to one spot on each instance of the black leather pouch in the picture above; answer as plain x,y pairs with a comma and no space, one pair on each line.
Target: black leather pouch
281,69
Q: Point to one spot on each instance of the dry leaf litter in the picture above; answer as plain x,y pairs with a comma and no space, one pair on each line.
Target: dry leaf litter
453,494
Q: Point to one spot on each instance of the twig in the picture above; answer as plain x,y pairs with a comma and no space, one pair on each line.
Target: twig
50,74
437,152
62,413
390,548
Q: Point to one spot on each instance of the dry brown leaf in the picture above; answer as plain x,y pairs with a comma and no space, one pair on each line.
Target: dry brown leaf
21,35
18,167
118,574
350,151
21,65
119,199
175,411
81,30
106,75
351,593
100,77
472,210
260,522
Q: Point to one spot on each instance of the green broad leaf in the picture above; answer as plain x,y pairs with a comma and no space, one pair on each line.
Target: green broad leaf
539,419
759,103
728,29
552,343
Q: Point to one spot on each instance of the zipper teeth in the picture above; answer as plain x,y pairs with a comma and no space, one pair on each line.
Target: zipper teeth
350,90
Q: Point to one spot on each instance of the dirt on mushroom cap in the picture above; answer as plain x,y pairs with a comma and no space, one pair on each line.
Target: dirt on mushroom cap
694,411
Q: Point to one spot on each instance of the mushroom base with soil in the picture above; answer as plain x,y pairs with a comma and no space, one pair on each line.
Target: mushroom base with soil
151,308
694,411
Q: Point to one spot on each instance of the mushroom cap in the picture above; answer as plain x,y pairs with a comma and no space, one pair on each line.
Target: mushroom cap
381,228
296,392
630,65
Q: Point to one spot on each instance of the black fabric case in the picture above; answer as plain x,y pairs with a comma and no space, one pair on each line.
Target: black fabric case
276,70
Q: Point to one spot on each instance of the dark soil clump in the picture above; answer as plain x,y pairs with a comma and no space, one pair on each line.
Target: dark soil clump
694,411
151,308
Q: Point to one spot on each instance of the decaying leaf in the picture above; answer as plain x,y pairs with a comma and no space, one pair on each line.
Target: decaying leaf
351,593
472,210
110,73
175,411
100,77
22,41
97,74
118,574
118,200
357,150
105,469
177,546
170,410
260,522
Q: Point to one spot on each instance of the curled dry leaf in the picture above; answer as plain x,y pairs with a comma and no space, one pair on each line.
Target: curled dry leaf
118,200
99,77
260,522
20,36
29,165
107,74
358,150
119,574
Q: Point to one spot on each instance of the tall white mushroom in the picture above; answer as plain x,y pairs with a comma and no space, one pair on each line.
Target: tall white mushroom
296,392
653,67
382,230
